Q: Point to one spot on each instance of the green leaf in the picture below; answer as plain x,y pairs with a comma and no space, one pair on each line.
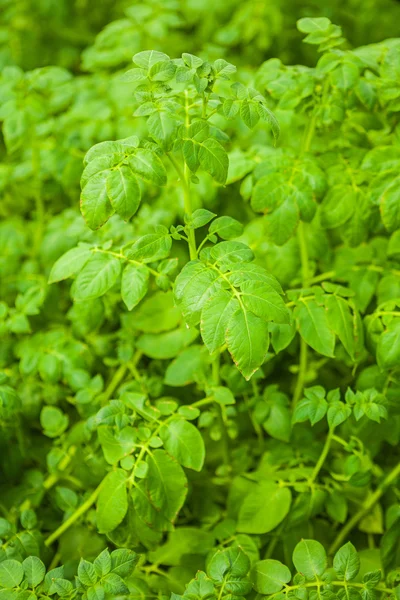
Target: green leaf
162,128
123,192
214,159
264,302
338,413
269,576
195,284
11,573
249,113
338,206
70,263
215,316
148,58
116,445
313,407
247,339
97,277
123,562
159,497
146,165
96,207
226,227
162,71
314,327
346,562
282,223
112,502
151,247
390,205
311,25
345,76
200,217
87,573
388,349
309,558
226,564
134,285
341,322
264,508
184,441
186,368
34,570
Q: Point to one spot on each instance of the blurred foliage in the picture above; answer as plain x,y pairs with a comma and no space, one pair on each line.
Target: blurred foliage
36,33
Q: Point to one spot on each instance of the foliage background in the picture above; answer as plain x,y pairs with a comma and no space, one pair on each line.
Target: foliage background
63,362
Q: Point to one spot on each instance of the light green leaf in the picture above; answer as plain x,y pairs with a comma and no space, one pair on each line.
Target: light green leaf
264,302
112,502
264,508
184,441
147,165
123,192
87,573
388,349
96,207
151,247
249,113
346,562
215,317
214,159
96,278
148,58
159,497
11,573
314,327
70,263
226,227
193,287
269,576
340,320
247,339
309,558
282,223
311,25
134,285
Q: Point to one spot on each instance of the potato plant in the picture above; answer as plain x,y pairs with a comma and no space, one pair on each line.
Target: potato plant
200,362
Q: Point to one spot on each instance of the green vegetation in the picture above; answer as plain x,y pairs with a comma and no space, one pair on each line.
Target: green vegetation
200,364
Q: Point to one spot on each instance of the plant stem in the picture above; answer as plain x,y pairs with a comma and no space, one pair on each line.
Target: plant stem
37,195
318,584
63,464
221,412
188,211
187,203
308,133
323,455
365,508
114,383
305,275
75,516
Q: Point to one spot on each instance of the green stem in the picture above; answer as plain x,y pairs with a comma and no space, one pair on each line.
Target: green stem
305,275
323,455
187,203
318,584
221,412
125,258
188,210
63,464
37,195
114,383
75,516
308,133
365,508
